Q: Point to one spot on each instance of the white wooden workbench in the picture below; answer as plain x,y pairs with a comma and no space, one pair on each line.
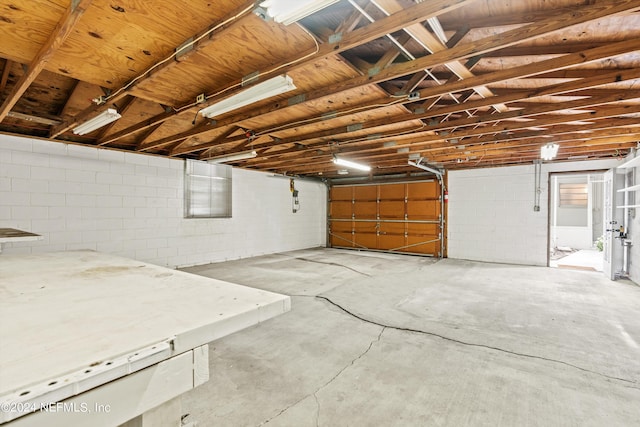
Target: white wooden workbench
11,235
94,339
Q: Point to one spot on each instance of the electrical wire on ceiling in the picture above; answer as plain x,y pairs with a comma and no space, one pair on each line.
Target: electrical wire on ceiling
180,49
220,92
206,34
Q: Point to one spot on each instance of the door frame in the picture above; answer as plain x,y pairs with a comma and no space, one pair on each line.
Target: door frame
549,201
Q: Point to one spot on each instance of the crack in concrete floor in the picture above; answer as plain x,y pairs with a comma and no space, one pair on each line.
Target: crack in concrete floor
335,264
470,344
315,393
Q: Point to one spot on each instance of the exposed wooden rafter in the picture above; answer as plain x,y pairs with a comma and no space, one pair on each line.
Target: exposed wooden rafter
65,26
464,83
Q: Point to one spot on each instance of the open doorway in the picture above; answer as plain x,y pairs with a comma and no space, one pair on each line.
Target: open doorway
576,220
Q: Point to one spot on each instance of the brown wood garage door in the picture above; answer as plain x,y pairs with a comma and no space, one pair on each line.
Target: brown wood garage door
395,217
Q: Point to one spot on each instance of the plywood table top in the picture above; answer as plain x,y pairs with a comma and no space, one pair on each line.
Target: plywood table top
62,311
14,235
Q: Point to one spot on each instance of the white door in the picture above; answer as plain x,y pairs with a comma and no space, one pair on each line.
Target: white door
612,248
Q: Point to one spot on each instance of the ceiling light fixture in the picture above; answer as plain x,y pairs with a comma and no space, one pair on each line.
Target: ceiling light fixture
102,119
268,88
287,12
350,164
549,151
244,155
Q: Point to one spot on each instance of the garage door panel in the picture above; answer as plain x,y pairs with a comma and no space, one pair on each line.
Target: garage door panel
341,233
392,191
368,240
423,229
365,193
392,227
423,190
365,227
389,241
423,210
341,226
420,245
385,220
341,209
391,210
342,240
341,193
365,210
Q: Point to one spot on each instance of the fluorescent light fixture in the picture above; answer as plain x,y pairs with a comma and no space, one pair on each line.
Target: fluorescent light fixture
102,119
287,11
350,164
244,155
549,151
268,88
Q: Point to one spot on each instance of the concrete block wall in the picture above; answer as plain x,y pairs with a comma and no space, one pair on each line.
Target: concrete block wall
491,216
131,205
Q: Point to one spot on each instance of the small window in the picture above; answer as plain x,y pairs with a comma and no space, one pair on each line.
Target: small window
207,190
573,195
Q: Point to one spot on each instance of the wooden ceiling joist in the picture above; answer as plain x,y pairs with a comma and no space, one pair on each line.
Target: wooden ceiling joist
375,81
200,41
493,42
63,29
432,44
416,13
610,77
5,74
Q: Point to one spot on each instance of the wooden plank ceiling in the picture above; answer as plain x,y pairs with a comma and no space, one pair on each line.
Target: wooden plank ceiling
459,83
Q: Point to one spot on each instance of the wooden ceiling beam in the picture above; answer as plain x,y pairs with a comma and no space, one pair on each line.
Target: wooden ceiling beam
507,19
351,22
422,142
598,80
323,163
565,145
564,151
314,162
216,141
458,36
392,53
5,74
202,39
459,52
475,120
432,150
544,50
34,119
508,38
565,61
343,42
64,27
577,73
146,135
433,45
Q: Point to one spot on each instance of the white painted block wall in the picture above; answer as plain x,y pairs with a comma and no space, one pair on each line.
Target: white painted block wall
131,205
491,216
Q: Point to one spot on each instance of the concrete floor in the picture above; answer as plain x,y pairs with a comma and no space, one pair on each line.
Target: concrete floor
584,259
386,340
